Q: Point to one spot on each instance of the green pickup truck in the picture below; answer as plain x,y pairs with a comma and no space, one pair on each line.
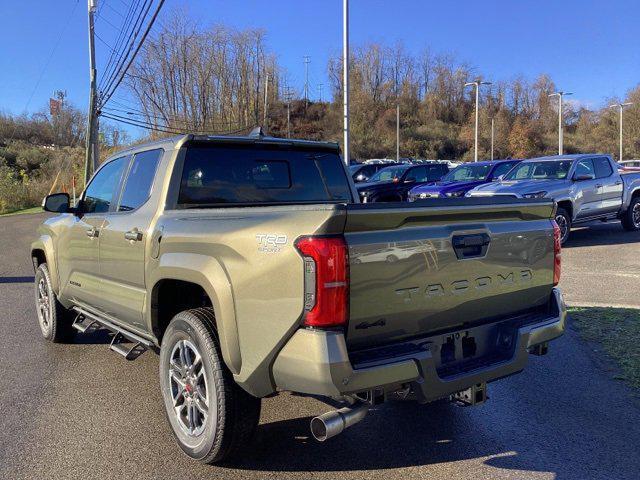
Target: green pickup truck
250,266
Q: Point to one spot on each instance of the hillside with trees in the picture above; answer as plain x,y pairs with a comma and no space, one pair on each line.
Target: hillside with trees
190,78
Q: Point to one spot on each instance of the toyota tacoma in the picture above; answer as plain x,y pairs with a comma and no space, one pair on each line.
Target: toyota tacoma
249,265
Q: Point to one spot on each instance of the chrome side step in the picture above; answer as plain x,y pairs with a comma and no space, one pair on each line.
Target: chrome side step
121,337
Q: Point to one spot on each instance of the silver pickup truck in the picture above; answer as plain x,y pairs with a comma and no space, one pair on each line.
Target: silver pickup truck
586,187
248,264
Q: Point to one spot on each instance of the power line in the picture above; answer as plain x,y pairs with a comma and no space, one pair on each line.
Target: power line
119,41
135,53
168,129
162,116
132,36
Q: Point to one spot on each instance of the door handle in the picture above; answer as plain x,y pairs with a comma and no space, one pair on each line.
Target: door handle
133,235
599,185
619,182
93,232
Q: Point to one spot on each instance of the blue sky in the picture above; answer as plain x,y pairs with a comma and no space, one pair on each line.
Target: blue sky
589,47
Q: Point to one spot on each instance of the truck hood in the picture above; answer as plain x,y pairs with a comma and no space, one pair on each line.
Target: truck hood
516,187
445,187
375,186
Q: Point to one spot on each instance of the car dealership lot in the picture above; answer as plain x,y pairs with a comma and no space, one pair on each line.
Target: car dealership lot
82,411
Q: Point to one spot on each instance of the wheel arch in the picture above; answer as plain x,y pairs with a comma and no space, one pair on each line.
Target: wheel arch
42,252
567,205
195,280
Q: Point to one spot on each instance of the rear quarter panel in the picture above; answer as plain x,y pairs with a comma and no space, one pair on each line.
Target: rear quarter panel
246,260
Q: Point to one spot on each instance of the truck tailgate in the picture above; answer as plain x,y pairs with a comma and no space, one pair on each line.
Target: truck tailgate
441,265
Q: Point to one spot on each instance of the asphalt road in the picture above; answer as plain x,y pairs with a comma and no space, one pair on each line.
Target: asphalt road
81,411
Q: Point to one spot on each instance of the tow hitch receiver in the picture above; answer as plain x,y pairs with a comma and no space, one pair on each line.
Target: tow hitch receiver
474,395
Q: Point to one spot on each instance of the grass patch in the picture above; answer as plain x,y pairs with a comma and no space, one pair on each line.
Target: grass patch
618,331
22,212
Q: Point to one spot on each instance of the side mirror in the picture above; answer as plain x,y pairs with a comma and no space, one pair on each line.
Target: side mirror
410,180
56,203
499,178
360,178
584,177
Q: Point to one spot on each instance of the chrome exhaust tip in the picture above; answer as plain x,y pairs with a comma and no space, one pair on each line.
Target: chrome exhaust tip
330,424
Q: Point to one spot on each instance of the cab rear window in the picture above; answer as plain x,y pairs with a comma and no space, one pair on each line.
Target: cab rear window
228,175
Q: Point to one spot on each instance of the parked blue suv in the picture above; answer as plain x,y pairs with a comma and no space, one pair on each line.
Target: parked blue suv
462,179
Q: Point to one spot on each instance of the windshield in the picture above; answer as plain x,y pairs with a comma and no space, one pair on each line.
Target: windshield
468,173
389,174
540,171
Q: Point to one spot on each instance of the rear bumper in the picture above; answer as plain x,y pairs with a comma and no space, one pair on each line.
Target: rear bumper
317,362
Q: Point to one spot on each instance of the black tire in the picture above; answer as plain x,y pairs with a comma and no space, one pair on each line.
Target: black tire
55,321
562,216
236,413
631,218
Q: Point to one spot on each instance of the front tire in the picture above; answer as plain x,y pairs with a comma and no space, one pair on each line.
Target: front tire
631,218
211,417
55,320
563,219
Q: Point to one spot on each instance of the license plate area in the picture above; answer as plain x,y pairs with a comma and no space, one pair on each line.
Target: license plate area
463,351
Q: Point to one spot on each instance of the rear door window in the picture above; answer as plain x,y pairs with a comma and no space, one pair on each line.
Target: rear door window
603,167
137,188
247,174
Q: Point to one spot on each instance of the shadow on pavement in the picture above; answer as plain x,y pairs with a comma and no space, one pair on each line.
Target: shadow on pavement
16,279
610,233
397,435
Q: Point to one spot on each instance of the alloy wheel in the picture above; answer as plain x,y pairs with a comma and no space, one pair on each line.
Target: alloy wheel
635,215
43,304
562,222
192,400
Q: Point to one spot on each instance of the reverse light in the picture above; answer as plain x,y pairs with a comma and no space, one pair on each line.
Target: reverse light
557,253
326,281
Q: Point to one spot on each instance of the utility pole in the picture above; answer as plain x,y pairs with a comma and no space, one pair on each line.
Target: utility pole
345,75
560,95
320,91
266,102
621,107
307,60
91,158
287,95
492,134
397,132
477,84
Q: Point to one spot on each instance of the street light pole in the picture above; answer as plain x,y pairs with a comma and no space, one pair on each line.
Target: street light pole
621,107
477,84
492,131
398,132
345,74
560,95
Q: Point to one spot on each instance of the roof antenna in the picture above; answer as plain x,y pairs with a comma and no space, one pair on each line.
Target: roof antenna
257,132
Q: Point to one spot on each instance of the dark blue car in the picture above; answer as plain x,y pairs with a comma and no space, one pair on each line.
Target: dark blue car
462,179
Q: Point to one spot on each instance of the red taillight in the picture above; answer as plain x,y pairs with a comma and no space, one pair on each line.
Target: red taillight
557,252
326,272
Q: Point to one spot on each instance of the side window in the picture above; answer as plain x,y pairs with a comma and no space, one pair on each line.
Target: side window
435,173
585,167
101,190
418,174
603,167
137,187
502,169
